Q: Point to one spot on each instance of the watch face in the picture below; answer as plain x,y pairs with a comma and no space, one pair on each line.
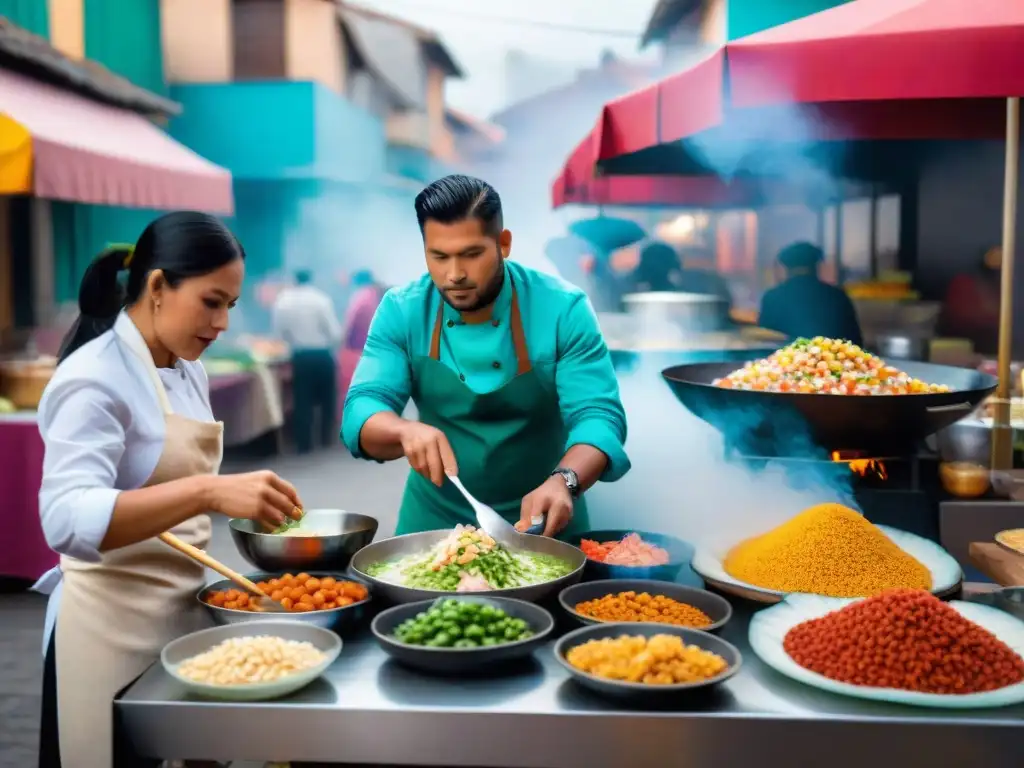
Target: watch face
571,481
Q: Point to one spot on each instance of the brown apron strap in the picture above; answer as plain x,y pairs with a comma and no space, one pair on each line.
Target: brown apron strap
523,364
519,337
435,338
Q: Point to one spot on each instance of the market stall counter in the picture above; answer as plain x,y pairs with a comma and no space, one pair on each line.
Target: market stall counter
24,553
369,710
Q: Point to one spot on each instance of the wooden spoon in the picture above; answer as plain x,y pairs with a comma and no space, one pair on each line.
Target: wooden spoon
265,603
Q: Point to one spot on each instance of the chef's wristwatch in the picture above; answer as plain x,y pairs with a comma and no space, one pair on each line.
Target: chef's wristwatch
572,480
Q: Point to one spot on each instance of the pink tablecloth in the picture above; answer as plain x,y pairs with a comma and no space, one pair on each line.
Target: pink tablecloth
24,553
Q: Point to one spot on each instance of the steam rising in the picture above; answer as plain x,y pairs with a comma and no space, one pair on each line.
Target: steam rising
682,485
770,143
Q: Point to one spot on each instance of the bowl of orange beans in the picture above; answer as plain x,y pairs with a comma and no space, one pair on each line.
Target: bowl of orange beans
329,600
641,601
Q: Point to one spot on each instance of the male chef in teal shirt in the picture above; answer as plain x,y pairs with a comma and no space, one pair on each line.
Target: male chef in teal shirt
507,367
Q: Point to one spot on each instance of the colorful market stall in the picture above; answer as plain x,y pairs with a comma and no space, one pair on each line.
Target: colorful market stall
77,135
779,652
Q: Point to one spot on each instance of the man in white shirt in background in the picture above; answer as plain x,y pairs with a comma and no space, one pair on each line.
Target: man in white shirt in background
304,317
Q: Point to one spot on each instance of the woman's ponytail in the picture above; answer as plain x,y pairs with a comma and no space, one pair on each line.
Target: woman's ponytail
100,298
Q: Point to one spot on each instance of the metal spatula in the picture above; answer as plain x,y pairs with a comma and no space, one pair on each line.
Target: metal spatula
497,527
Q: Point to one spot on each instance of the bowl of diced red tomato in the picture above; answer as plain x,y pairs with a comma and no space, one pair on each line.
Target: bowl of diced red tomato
625,554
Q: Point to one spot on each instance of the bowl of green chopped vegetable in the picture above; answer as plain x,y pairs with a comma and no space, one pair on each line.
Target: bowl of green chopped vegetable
461,634
323,540
432,564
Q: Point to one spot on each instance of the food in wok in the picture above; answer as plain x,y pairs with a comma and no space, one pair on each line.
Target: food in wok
825,367
468,560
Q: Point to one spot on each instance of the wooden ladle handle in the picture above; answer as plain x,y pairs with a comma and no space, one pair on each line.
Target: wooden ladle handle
201,557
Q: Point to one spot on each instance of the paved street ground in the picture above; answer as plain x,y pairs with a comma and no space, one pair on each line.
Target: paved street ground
327,479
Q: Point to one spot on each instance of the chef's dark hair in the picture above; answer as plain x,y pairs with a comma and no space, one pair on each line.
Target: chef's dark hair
181,245
457,197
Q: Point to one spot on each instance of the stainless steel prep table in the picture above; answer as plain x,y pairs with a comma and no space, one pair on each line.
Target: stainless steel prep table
369,710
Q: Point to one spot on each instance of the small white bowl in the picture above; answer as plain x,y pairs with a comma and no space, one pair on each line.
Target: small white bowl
178,651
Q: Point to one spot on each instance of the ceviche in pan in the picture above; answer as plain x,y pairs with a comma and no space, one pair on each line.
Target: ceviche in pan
826,367
468,560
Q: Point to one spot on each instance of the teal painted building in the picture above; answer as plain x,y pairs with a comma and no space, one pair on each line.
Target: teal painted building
316,184
745,17
125,37
302,157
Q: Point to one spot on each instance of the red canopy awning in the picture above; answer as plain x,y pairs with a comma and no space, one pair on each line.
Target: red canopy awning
869,69
88,152
577,185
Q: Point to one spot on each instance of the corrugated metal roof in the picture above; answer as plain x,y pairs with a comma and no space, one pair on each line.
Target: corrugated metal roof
32,55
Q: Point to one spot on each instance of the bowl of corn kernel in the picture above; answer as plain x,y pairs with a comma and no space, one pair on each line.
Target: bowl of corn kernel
252,661
640,661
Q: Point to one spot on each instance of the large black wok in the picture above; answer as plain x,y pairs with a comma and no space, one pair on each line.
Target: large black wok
783,423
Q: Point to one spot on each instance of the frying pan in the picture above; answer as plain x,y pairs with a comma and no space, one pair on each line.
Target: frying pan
795,423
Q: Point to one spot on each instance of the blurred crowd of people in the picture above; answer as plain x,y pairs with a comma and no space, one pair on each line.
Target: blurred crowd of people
802,304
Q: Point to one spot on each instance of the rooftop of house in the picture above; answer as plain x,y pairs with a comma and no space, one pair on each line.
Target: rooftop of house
433,47
469,124
667,14
29,54
612,76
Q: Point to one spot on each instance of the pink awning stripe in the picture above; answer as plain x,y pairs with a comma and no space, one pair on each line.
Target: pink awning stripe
88,152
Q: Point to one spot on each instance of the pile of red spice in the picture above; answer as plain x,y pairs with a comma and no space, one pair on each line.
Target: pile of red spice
906,639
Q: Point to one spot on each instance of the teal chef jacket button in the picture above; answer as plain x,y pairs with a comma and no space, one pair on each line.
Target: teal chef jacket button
496,365
462,377
451,323
495,322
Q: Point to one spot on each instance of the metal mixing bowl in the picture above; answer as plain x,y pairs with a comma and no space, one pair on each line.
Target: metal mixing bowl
459,660
340,535
641,692
421,543
334,619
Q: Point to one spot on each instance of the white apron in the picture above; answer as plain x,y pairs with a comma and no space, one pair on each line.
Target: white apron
116,615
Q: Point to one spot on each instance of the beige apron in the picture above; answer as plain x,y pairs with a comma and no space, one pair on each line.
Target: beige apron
115,616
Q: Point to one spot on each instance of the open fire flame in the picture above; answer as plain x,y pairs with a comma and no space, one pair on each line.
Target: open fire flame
862,467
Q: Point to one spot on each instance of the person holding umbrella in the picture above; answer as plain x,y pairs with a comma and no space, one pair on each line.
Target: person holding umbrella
508,369
803,304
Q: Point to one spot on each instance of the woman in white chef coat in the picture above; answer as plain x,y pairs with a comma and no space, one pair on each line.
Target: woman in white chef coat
132,450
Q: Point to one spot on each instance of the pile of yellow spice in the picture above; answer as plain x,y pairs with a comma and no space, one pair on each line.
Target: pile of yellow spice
827,550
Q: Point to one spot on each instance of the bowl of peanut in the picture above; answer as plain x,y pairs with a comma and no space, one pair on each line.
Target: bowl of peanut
250,662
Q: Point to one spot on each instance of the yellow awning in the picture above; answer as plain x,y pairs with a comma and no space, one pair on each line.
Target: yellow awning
15,158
